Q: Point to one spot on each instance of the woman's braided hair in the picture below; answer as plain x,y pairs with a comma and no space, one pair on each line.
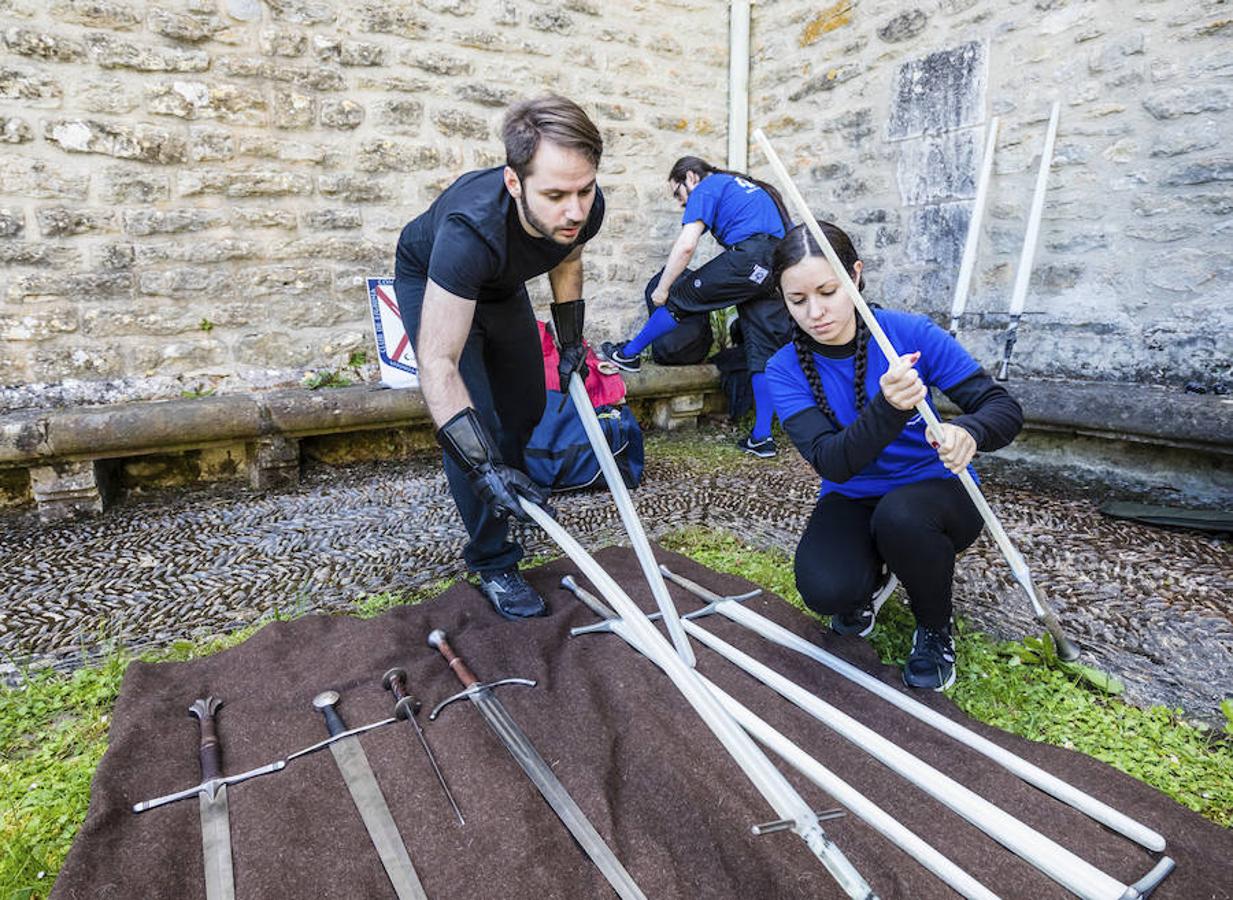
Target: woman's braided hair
796,245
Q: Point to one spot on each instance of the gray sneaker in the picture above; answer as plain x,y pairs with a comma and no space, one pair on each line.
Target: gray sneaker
613,353
860,622
931,666
511,595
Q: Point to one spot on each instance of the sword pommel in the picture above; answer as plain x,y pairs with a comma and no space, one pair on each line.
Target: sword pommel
395,681
324,704
209,752
437,640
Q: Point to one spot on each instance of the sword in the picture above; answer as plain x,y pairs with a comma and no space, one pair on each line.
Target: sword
405,707
353,764
519,747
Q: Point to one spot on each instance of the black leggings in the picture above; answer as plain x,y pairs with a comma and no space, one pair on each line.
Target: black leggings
917,530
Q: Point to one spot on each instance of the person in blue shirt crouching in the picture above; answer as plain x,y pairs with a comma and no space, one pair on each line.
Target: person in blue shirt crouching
747,218
890,499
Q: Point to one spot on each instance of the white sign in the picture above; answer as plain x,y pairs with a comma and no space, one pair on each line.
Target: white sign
394,352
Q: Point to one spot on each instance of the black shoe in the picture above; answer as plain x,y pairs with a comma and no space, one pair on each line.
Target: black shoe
932,663
612,353
860,623
511,595
763,449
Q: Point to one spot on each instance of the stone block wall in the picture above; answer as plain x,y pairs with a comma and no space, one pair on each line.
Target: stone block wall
880,108
193,191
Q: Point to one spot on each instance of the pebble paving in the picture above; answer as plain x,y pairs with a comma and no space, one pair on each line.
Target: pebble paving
1153,606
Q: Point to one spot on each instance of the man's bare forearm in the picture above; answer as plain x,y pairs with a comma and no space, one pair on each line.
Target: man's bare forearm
445,322
566,278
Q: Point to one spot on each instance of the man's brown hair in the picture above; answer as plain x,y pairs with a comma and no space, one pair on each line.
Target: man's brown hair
551,117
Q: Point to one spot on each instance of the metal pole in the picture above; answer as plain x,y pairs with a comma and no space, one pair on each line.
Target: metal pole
629,515
768,780
1072,872
963,283
859,805
1066,648
1032,774
1023,274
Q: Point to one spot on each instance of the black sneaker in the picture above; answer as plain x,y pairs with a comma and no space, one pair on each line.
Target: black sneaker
860,623
763,449
511,595
612,353
932,663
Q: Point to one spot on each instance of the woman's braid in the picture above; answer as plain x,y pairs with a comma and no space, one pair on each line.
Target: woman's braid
861,365
804,355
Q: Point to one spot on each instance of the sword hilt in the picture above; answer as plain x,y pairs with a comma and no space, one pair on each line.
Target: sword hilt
405,705
324,704
437,640
209,751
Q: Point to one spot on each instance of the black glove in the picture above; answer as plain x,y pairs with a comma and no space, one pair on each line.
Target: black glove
467,442
567,322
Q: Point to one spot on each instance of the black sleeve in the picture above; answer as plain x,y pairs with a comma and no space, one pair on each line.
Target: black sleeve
839,453
461,259
990,413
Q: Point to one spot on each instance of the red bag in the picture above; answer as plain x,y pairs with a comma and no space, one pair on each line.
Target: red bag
604,390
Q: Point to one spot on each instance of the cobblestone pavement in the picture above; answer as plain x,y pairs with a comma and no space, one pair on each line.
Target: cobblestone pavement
1153,606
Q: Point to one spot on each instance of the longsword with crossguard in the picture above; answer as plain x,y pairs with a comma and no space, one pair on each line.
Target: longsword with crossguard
519,747
362,783
215,825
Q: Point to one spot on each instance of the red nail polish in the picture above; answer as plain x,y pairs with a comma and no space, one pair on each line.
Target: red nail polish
934,444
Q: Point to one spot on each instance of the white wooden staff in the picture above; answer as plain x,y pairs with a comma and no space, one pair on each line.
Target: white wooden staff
964,283
1066,648
1023,275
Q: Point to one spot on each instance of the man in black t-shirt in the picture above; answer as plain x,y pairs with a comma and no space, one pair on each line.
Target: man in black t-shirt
460,276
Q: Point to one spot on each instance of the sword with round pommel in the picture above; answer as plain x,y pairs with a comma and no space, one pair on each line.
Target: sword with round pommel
541,775
215,822
405,707
369,801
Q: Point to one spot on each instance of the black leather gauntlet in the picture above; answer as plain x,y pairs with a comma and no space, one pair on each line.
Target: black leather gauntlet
466,442
567,319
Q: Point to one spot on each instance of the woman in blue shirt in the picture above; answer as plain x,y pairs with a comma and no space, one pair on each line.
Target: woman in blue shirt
890,501
747,218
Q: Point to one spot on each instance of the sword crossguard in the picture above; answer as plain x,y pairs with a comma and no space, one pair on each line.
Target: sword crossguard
405,705
478,688
209,751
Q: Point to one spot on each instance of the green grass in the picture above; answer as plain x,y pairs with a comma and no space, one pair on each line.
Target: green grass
53,732
1192,764
53,729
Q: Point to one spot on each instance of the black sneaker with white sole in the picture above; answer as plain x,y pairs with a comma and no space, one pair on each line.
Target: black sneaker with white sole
860,622
931,666
612,353
511,595
763,449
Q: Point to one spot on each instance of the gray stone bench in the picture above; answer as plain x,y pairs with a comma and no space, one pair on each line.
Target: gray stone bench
70,453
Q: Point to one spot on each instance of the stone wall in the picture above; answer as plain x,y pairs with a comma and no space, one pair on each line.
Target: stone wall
880,109
192,191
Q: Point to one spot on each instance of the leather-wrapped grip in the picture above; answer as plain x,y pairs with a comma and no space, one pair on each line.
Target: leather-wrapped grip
209,751
465,675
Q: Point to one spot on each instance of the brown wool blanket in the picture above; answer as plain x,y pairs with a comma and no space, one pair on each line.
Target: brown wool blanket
647,772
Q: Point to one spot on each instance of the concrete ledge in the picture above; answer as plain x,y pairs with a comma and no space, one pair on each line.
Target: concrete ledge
268,427
30,437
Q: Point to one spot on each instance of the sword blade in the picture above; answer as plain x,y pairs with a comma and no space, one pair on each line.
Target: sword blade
519,746
358,774
216,846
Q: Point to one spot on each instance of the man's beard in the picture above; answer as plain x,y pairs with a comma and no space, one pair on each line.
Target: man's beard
540,225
